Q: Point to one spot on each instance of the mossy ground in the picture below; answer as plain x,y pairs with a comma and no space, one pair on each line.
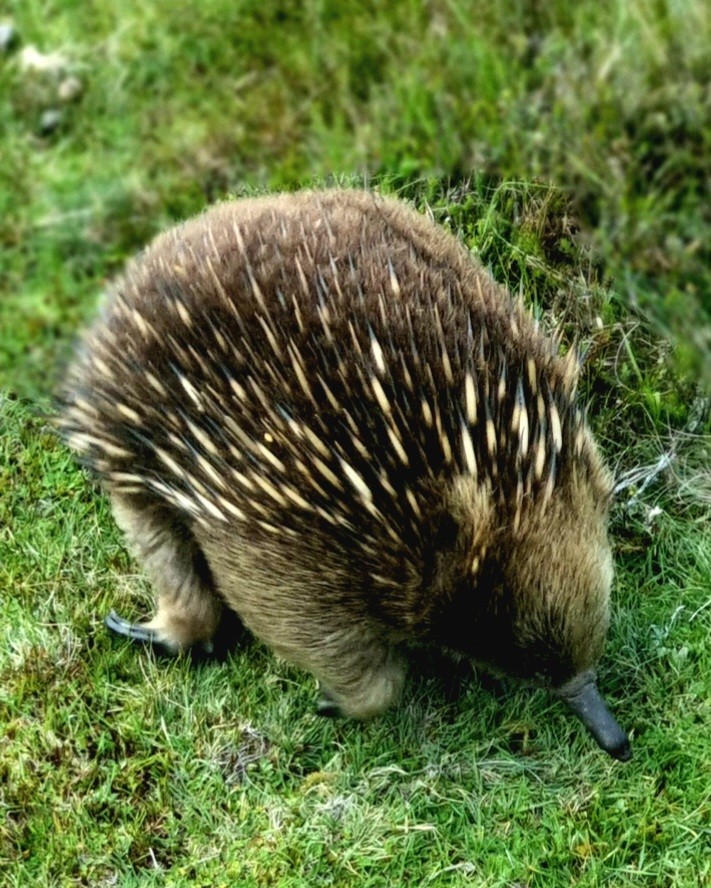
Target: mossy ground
568,146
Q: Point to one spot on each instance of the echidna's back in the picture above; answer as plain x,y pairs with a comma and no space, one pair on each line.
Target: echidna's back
318,361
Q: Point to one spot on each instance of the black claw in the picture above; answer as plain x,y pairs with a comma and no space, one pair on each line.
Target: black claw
134,631
229,634
327,708
137,633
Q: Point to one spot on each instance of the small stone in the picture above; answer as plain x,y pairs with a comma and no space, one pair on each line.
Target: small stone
8,36
69,89
34,61
49,121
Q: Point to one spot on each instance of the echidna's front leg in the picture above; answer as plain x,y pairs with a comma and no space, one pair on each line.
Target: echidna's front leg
360,675
360,678
301,602
188,610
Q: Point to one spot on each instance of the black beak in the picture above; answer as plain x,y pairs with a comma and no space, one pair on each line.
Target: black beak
583,697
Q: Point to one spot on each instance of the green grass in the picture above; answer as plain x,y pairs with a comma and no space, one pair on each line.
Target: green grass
119,769
568,145
181,105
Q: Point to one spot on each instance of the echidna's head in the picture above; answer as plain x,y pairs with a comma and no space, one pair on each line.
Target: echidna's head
547,593
556,580
557,583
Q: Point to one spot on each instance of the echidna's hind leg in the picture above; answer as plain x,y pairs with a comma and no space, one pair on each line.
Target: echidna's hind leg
188,610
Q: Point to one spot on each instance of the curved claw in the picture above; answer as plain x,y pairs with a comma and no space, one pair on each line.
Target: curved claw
213,649
136,632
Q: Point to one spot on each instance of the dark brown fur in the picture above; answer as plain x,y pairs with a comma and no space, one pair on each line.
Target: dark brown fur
318,410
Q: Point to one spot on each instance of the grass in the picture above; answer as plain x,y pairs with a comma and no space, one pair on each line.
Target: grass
181,106
118,769
568,146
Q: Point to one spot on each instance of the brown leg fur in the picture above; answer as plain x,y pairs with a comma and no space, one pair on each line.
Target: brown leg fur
188,610
318,629
358,671
363,678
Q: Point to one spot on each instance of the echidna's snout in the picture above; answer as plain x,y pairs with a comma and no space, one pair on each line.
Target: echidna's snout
584,698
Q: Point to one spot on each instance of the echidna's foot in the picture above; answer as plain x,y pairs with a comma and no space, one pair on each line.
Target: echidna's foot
229,632
146,634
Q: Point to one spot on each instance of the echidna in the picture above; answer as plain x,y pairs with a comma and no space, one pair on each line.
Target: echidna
317,411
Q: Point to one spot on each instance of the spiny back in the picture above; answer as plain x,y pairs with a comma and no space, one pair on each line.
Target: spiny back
328,361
